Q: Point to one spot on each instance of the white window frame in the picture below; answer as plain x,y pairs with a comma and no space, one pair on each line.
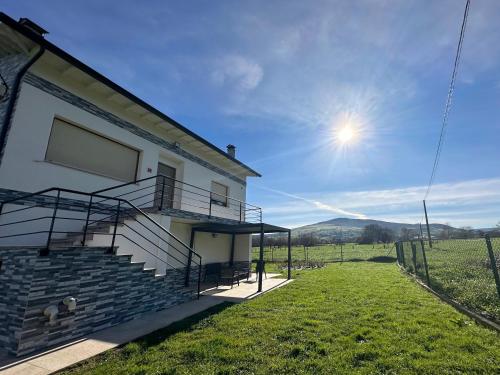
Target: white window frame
89,170
218,199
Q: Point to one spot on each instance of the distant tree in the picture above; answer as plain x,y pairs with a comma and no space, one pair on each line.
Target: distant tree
445,233
374,233
407,234
307,240
464,233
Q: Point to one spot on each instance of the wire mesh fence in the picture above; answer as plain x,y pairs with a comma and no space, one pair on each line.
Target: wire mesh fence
328,253
465,270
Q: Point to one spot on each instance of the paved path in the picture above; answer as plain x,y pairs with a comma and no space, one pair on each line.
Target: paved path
86,347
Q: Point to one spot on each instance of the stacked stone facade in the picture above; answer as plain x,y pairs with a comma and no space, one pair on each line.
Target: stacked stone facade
109,289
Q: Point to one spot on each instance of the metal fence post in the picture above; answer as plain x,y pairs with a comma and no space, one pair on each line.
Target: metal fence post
427,224
493,262
414,256
402,249
425,263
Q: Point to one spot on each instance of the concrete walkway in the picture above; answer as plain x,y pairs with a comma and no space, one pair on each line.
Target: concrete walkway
61,357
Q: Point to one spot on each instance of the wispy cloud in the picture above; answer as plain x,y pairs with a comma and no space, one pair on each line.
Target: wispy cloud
240,72
318,204
474,203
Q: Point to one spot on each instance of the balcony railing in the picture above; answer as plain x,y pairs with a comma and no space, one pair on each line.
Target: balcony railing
163,193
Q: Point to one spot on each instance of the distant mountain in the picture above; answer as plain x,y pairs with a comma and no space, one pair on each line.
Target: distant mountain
351,228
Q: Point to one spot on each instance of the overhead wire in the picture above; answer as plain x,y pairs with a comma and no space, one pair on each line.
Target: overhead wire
449,98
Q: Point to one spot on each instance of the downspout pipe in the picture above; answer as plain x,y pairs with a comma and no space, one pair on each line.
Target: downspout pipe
13,98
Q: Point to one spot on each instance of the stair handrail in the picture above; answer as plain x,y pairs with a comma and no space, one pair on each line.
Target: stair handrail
72,191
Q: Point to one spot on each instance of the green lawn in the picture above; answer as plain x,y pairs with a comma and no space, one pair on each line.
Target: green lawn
326,252
460,269
348,318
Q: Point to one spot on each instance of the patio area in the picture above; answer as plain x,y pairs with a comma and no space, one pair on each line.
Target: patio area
58,358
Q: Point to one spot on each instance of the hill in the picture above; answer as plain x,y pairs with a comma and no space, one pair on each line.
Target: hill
348,229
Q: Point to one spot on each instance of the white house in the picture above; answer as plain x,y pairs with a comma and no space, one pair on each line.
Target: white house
85,165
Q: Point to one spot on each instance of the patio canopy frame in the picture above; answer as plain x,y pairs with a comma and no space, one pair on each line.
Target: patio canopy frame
246,228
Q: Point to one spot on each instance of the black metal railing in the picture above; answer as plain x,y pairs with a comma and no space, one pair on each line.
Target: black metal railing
162,192
57,217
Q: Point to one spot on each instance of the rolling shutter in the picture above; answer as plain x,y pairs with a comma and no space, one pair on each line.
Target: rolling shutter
76,147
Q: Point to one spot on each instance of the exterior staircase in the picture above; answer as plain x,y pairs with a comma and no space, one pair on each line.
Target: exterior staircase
101,221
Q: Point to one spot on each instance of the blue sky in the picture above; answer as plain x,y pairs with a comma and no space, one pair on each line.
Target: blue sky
279,78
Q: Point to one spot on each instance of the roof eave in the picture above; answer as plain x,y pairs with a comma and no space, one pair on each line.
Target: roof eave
114,86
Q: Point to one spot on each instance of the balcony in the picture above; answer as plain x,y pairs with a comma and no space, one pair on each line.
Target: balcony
177,198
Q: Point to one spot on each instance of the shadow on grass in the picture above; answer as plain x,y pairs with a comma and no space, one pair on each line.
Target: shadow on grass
379,259
185,325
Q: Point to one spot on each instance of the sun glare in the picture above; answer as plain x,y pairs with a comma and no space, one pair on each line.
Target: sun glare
348,129
346,134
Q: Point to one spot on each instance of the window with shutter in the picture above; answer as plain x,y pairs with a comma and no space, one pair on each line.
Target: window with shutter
218,194
75,147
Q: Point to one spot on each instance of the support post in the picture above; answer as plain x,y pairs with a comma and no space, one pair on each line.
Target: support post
231,257
421,232
190,258
45,251
87,222
425,263
289,254
260,264
493,262
199,279
241,213
162,193
112,248
427,223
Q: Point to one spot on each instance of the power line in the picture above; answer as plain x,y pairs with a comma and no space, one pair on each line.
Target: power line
448,100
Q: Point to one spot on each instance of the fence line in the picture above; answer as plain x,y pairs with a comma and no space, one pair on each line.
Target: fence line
464,270
329,253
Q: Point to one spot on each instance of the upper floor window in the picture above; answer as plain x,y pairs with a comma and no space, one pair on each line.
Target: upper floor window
219,193
75,147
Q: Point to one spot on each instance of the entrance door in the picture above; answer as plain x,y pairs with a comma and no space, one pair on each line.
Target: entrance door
165,187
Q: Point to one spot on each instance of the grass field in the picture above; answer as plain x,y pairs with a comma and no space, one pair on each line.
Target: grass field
347,318
327,253
462,270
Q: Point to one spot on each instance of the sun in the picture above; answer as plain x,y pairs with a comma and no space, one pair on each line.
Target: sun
347,130
346,135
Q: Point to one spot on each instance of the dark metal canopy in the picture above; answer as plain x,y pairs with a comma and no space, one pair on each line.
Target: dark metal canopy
247,228
244,228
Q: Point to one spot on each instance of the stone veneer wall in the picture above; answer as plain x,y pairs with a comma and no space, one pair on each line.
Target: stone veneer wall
109,288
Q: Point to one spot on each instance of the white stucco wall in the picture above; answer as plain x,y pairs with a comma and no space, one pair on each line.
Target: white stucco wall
214,249
23,166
